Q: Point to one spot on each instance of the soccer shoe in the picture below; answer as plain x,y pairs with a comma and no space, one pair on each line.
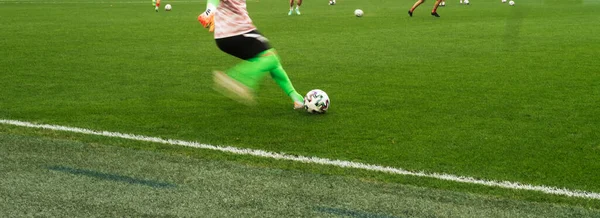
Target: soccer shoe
435,14
410,13
233,89
297,11
207,19
290,13
211,28
298,105
156,8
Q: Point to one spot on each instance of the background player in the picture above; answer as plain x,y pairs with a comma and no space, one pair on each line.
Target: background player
156,4
419,2
298,3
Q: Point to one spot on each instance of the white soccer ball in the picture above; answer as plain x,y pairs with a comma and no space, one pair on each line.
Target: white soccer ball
167,7
503,1
331,2
316,101
358,13
511,3
467,2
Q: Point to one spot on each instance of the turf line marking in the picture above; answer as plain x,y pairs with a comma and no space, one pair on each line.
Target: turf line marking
317,160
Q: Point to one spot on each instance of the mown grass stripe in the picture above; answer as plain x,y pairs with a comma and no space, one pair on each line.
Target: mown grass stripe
317,160
350,213
112,177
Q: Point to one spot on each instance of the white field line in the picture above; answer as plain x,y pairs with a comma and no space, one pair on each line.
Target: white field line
317,160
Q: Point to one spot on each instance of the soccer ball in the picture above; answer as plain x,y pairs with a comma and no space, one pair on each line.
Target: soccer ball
503,1
358,13
316,101
168,7
331,2
466,2
442,3
511,3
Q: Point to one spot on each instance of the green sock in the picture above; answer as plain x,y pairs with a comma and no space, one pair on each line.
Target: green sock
250,73
282,79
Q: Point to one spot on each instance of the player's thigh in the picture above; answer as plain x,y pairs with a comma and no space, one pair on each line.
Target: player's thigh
244,46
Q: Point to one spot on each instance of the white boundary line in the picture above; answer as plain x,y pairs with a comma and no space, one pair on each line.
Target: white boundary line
317,160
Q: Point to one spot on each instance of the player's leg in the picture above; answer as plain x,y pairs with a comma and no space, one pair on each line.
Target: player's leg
157,5
281,78
250,72
419,2
259,58
298,3
291,7
153,3
434,10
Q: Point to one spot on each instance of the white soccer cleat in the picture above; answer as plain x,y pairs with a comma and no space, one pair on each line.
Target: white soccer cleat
233,89
298,105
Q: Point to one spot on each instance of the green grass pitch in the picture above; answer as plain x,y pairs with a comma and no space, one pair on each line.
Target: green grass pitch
41,178
487,90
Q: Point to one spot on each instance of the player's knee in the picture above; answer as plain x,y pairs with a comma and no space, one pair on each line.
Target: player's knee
271,57
268,52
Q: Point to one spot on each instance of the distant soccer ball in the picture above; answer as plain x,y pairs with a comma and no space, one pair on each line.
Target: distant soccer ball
331,2
467,2
511,3
316,101
358,13
167,7
503,1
